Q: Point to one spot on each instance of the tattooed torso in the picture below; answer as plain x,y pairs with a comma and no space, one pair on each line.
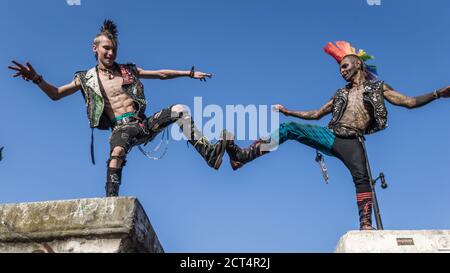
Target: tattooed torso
355,117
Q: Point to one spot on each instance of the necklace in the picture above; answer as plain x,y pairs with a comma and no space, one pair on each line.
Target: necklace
107,72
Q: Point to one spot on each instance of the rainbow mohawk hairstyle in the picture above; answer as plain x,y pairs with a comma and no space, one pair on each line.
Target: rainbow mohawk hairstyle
342,49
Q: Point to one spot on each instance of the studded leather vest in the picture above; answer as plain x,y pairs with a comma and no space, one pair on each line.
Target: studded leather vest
374,101
90,85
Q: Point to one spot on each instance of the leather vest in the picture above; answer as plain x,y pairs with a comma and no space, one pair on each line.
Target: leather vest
90,85
374,101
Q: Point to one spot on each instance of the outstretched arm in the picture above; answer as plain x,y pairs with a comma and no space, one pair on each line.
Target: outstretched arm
28,73
172,74
310,115
399,99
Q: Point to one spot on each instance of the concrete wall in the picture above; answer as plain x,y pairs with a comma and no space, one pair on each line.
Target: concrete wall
395,241
83,225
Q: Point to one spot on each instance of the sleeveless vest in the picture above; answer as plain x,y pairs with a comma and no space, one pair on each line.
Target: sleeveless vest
374,101
90,85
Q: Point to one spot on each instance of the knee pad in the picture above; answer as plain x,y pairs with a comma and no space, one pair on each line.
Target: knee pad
124,161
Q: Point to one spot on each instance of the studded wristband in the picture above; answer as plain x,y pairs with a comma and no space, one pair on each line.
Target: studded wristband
38,80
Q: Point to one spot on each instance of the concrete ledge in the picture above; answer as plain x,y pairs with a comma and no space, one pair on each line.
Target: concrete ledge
83,225
398,241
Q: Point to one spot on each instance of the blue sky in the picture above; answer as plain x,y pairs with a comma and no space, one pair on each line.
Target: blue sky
261,52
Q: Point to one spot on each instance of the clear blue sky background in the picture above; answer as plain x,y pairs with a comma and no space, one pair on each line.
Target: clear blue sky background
262,52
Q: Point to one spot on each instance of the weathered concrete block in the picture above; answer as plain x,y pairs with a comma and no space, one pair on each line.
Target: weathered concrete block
84,225
398,241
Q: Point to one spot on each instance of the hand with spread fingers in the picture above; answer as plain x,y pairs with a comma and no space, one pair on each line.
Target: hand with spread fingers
444,92
27,71
199,75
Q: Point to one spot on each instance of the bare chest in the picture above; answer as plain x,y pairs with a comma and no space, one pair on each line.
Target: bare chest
112,87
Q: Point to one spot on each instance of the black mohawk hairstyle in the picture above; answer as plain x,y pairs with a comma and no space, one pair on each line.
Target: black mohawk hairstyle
109,28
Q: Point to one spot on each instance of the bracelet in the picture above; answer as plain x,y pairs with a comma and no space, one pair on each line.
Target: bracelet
37,80
436,94
192,73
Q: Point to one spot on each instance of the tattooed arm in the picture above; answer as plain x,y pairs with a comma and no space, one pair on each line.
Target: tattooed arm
399,99
310,115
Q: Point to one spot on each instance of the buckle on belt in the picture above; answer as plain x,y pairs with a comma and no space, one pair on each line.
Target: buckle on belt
123,121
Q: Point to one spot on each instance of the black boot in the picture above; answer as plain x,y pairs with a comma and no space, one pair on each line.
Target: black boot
364,201
240,156
113,180
212,153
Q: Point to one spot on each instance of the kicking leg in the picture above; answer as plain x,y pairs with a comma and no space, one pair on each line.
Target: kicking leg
320,138
212,153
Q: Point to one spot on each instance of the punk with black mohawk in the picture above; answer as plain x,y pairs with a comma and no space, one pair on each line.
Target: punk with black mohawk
109,30
114,98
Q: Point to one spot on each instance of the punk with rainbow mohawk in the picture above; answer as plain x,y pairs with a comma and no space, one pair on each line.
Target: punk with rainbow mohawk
343,49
